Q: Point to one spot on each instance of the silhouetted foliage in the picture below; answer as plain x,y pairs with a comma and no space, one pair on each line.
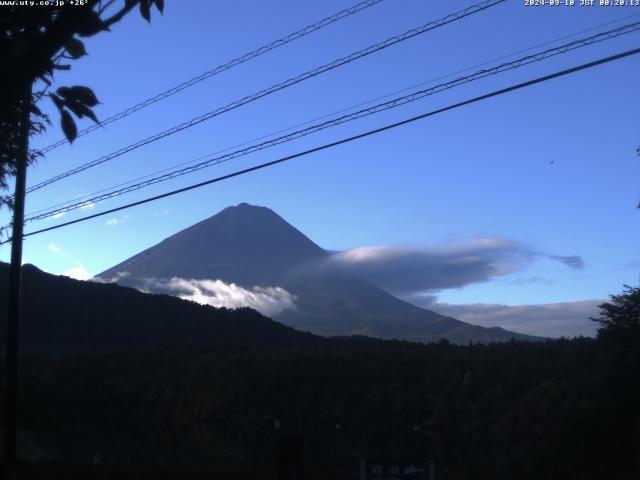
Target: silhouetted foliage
619,338
620,317
35,40
514,410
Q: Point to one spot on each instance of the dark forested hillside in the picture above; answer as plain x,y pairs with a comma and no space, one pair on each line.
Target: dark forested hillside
504,411
65,315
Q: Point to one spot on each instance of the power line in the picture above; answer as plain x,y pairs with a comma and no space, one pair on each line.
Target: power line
277,87
221,68
368,133
84,198
403,100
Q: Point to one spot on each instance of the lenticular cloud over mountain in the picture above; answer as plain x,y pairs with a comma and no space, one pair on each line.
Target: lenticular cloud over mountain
248,255
266,300
407,270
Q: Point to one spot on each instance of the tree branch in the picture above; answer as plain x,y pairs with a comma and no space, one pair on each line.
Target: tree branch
118,16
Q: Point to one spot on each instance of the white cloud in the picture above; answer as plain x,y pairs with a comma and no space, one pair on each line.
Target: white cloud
633,264
87,205
79,273
55,249
56,216
267,300
112,222
113,279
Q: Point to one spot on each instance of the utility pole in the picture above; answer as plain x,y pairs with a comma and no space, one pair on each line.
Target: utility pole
15,270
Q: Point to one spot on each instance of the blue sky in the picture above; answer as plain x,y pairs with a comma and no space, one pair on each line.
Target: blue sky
551,168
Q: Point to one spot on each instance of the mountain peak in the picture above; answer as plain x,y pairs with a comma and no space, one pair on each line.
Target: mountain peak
248,205
243,243
244,206
245,209
253,246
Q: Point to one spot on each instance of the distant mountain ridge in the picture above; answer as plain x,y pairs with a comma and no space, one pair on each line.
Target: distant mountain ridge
253,246
62,315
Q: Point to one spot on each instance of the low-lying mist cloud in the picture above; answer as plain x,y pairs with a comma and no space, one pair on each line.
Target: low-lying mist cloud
267,300
78,273
563,319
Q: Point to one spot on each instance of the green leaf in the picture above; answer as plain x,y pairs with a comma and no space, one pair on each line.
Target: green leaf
57,101
159,5
68,126
85,95
35,110
64,92
75,48
144,10
90,23
79,93
81,110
